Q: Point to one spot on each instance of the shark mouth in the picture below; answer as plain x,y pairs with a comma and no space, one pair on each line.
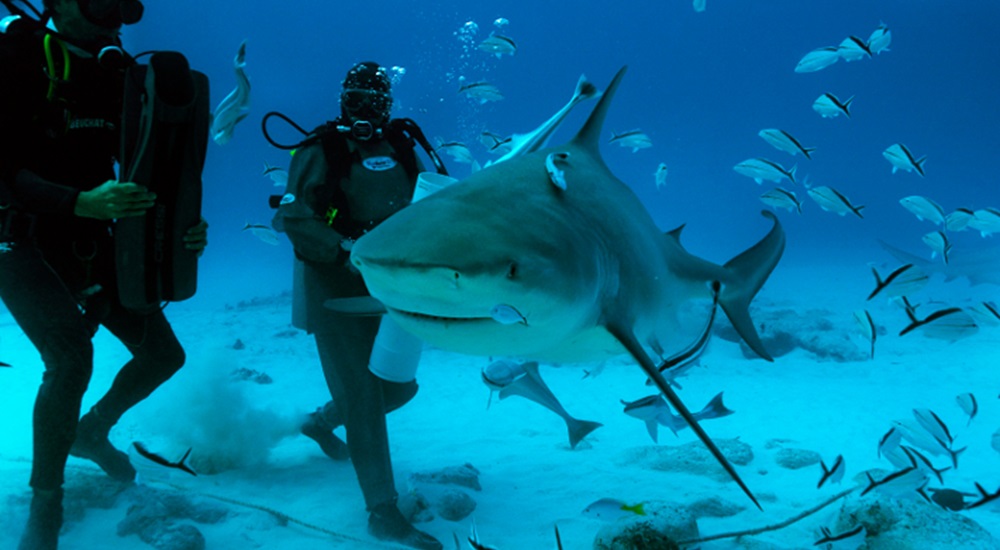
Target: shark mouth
426,317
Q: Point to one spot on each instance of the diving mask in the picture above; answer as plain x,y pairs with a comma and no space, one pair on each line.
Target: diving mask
371,105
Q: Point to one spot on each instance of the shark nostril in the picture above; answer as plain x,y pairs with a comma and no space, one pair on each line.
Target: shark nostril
512,270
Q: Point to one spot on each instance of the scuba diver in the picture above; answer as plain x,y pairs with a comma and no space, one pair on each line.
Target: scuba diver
61,98
345,178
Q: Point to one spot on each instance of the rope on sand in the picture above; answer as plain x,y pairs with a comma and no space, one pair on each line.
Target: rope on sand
284,518
776,526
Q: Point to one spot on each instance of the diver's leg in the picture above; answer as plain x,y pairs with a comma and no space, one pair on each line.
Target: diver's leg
156,356
319,425
47,313
358,395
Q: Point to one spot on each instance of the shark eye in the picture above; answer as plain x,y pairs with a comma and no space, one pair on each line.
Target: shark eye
512,270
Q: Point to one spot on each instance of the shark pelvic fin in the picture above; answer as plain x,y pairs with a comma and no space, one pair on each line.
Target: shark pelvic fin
750,269
589,135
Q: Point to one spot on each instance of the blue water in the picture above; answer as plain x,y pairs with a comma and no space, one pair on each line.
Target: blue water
701,85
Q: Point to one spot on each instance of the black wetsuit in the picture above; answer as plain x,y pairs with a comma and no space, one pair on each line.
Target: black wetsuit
360,399
57,275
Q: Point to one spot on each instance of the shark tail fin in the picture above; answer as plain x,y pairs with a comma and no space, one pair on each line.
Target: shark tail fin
589,135
750,269
579,429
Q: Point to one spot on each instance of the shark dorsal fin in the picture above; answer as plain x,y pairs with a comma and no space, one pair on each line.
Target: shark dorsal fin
589,135
675,233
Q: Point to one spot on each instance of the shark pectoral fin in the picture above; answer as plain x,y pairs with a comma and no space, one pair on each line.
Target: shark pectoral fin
749,271
361,306
628,340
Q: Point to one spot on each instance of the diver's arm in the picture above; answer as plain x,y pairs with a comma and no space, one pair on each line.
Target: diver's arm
313,239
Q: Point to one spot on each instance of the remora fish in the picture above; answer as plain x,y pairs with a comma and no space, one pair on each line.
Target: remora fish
522,144
236,106
783,141
902,159
818,59
440,265
831,200
761,169
828,106
531,387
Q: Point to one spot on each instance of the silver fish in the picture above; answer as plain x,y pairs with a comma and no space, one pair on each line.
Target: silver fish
986,313
834,473
278,175
654,411
660,176
986,221
967,402
263,232
699,5
828,106
939,243
979,265
818,59
851,539
923,208
879,40
959,219
483,92
495,144
868,329
903,281
499,45
761,169
783,141
635,139
902,159
853,49
236,106
780,197
831,200
456,150
950,324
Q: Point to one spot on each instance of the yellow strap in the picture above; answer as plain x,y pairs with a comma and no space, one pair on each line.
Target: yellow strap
52,64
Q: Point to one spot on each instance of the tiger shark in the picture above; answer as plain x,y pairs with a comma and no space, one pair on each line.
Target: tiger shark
568,256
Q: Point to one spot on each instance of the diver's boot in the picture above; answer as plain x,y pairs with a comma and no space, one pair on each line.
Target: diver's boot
44,521
387,523
92,443
321,432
